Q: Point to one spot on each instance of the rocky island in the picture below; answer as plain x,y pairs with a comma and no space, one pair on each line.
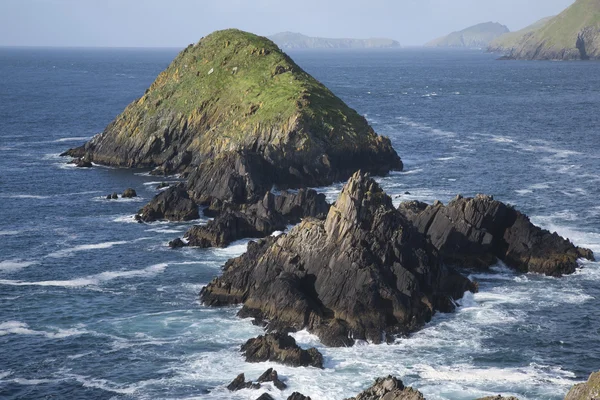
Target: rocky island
477,36
296,41
574,34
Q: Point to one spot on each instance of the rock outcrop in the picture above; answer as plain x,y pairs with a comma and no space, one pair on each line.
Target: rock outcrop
574,34
476,232
173,204
274,212
363,273
269,375
389,388
298,396
232,95
281,348
589,390
240,383
129,193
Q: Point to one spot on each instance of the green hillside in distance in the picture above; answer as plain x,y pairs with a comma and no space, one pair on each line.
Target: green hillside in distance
510,40
574,34
295,41
477,36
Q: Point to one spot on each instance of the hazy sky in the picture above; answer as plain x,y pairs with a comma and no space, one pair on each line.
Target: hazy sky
167,23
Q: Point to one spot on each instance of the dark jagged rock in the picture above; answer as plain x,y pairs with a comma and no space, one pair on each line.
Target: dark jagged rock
499,397
589,390
270,214
265,396
270,375
129,193
177,243
240,383
113,196
81,162
298,396
219,100
174,204
475,232
363,273
389,388
282,348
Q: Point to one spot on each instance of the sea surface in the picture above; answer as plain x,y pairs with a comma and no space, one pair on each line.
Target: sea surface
96,306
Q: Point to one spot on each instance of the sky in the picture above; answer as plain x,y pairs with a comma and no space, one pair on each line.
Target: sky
176,23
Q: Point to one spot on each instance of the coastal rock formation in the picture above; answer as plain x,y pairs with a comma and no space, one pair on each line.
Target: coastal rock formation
589,390
240,383
363,273
295,41
272,213
271,375
281,348
476,232
265,396
298,396
389,388
173,204
574,34
129,193
81,162
477,36
235,102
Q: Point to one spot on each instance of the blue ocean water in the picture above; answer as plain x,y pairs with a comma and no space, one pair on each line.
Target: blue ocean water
95,306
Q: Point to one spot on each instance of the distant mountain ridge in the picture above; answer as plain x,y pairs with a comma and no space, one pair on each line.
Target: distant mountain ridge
574,34
477,36
292,41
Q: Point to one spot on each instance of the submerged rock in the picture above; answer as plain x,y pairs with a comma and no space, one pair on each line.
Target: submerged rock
129,193
389,388
173,204
476,232
589,390
281,348
272,213
81,162
363,273
257,103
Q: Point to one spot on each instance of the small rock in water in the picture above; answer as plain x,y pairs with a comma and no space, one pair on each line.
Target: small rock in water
113,196
270,375
298,396
240,383
265,396
177,243
129,193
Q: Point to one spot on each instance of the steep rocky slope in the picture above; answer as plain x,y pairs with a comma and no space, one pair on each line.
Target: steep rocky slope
574,34
236,96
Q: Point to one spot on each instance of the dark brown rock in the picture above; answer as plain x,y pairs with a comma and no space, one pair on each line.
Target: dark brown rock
162,185
363,273
476,232
129,193
174,204
272,213
81,162
177,243
113,196
270,375
240,383
298,396
389,388
282,348
265,396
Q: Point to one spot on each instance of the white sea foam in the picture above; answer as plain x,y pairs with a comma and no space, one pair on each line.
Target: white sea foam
125,218
15,265
72,139
94,280
25,196
4,374
9,233
21,328
84,247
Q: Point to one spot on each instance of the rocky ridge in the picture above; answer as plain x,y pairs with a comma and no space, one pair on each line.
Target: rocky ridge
477,232
477,36
362,273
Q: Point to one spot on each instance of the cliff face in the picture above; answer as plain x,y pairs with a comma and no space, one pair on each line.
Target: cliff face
477,36
574,34
236,92
294,41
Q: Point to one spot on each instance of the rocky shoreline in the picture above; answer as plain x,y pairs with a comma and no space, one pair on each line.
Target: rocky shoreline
360,269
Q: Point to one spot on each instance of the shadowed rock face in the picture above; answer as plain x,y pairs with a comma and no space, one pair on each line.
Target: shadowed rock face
272,213
173,204
589,390
237,93
476,232
281,348
363,273
389,388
